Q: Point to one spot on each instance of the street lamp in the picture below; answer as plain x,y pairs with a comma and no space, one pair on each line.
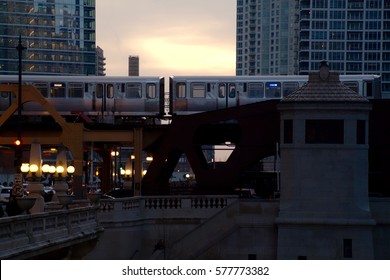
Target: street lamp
33,173
127,174
61,171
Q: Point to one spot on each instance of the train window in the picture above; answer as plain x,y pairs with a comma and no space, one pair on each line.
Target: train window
289,87
99,91
352,85
255,90
180,90
110,91
42,87
232,90
198,90
272,89
150,91
57,90
133,90
76,90
221,91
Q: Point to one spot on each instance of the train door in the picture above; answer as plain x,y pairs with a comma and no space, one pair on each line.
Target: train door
227,95
104,99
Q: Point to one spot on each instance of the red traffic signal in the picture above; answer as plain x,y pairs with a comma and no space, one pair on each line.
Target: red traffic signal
18,142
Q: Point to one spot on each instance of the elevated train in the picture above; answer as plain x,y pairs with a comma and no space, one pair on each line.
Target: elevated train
102,97
190,94
94,96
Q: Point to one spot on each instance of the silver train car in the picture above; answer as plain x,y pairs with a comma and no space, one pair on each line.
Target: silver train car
94,96
194,94
107,99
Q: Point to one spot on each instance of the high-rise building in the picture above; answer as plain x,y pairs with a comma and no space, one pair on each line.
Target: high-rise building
133,65
100,62
267,37
292,37
59,36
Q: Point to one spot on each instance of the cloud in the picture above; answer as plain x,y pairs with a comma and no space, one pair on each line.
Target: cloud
170,36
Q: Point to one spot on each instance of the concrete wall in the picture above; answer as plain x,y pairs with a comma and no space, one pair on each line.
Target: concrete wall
247,228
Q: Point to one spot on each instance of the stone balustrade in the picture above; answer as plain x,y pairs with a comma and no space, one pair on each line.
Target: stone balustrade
155,207
26,236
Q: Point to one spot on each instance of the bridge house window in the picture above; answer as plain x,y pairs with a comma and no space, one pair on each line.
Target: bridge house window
288,131
360,132
324,132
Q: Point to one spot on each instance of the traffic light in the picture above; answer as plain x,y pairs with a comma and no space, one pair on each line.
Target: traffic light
18,142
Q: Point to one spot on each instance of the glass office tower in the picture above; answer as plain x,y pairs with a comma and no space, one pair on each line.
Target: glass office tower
352,35
59,36
293,36
267,37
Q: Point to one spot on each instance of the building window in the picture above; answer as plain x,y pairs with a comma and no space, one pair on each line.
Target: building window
360,132
288,131
324,132
347,247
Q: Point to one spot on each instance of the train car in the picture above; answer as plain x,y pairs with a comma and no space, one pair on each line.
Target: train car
99,97
194,94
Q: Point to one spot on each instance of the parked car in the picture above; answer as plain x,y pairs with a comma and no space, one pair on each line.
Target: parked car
5,193
120,193
48,193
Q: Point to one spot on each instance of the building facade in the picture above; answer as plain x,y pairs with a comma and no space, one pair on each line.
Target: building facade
59,36
133,65
100,62
292,37
267,37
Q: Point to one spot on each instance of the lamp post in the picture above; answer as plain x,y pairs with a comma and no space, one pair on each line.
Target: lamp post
114,155
34,173
17,188
132,157
127,174
61,172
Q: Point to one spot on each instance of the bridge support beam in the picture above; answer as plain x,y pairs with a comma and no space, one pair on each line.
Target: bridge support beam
71,135
138,131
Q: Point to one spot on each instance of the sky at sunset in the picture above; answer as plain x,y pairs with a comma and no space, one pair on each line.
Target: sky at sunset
171,37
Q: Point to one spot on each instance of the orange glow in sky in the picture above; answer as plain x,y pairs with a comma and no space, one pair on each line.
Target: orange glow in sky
171,37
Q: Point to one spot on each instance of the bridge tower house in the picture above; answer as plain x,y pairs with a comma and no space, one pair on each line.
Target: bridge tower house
324,207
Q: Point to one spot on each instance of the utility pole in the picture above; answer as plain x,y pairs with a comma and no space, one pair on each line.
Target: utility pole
17,188
20,48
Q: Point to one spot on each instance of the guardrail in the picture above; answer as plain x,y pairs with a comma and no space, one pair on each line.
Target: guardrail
157,207
30,235
26,236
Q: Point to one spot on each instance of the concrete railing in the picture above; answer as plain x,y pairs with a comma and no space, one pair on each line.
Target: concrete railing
160,207
27,236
